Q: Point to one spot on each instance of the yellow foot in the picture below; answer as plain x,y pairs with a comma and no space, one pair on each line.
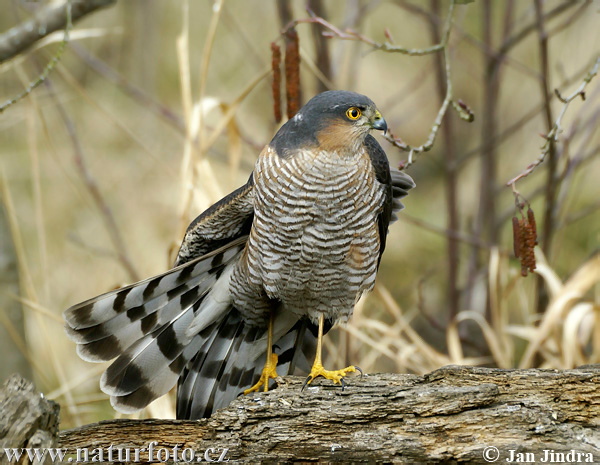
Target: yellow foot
337,376
269,372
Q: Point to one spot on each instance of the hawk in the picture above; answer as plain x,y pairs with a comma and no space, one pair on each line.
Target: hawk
261,275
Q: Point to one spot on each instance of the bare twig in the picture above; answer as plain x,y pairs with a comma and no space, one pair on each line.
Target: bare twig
486,214
509,42
460,107
518,124
520,35
349,34
49,67
551,153
552,135
581,214
131,90
206,54
141,97
47,20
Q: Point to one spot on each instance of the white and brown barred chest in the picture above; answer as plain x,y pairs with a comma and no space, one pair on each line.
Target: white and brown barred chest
314,243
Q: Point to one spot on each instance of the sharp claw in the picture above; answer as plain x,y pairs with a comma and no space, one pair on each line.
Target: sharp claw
343,384
306,381
359,370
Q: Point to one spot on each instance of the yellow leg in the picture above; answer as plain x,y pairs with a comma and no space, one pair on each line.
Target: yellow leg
270,369
337,376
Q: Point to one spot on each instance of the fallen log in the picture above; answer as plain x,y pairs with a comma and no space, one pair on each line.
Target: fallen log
455,413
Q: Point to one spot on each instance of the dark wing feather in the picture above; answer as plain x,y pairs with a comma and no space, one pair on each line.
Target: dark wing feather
229,218
397,186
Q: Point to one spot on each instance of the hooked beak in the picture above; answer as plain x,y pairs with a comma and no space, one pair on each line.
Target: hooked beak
379,123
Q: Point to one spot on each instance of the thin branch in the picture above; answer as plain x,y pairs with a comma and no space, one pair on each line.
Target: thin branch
552,155
534,194
444,87
522,34
137,94
387,46
49,67
552,136
47,20
518,124
580,214
463,110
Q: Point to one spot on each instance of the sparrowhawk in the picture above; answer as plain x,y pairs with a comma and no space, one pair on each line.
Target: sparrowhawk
261,275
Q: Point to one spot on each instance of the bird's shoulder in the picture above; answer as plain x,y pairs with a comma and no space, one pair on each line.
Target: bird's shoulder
224,221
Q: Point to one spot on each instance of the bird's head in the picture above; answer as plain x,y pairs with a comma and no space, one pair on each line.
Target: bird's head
334,121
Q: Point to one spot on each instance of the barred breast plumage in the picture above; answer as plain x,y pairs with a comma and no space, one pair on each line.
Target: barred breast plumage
314,244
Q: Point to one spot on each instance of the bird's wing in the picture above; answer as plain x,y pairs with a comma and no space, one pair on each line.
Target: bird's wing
401,184
397,185
229,218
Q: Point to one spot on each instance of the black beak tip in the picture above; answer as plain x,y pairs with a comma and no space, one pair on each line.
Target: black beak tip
380,125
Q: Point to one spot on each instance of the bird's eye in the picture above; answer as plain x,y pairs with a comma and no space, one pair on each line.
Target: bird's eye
353,113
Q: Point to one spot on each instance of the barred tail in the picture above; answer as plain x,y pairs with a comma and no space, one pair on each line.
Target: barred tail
233,357
144,326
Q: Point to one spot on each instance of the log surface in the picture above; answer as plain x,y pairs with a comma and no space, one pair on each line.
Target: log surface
27,418
451,414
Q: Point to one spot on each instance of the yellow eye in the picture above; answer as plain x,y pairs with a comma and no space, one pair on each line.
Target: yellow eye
353,113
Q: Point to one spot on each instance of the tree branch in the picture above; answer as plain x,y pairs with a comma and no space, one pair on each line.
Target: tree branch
552,136
46,20
451,414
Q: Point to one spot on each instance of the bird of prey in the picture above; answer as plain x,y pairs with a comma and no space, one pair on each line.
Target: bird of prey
261,275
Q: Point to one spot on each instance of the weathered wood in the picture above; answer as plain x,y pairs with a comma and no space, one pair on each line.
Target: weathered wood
27,418
452,414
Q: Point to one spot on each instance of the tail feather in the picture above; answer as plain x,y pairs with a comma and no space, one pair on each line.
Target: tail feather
161,305
233,361
108,340
161,382
144,327
109,305
140,362
179,328
185,390
208,368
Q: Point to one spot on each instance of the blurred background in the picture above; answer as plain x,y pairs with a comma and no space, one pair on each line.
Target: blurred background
158,109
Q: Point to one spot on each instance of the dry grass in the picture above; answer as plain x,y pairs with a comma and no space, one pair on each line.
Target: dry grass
184,123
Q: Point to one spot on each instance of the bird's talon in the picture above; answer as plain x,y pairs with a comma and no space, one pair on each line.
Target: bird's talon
336,376
269,372
359,370
306,382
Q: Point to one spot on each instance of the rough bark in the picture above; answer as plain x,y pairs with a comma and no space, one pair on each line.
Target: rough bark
452,414
27,418
46,20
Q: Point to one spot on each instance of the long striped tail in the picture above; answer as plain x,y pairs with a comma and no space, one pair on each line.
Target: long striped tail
143,326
